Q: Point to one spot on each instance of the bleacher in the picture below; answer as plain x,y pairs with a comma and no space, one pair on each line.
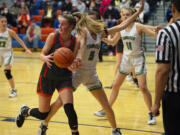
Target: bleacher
37,16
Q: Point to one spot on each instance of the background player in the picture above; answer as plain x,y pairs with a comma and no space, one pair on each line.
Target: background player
6,52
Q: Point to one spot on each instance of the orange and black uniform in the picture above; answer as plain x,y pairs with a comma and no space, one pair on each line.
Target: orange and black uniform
55,77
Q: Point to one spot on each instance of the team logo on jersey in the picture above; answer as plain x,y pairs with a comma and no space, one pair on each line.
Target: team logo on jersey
159,48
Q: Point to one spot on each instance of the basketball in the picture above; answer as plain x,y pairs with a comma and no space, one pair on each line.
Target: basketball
63,57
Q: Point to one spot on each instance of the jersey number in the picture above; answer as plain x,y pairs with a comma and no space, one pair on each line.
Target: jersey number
129,45
91,55
2,43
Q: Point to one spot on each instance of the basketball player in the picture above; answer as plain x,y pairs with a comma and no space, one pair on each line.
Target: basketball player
52,77
6,52
133,57
90,33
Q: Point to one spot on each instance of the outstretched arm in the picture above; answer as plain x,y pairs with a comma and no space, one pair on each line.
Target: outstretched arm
15,36
125,23
113,40
149,30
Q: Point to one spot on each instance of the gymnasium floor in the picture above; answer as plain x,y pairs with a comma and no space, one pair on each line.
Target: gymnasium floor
130,110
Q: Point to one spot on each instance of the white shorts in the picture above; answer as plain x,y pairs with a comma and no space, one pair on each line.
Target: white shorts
6,58
88,78
129,62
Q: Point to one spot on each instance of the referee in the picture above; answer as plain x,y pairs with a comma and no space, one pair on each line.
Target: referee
167,82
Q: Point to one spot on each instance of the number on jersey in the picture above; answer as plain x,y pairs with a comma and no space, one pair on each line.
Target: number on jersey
2,43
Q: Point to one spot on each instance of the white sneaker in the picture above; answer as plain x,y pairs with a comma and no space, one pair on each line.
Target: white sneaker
116,132
13,93
100,113
129,77
152,119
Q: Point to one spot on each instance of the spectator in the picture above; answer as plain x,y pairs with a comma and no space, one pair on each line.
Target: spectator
10,18
103,6
92,5
124,3
14,9
3,6
74,8
23,17
49,16
111,15
81,6
67,6
33,35
168,13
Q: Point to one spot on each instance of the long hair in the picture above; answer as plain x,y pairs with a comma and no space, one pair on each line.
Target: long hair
93,26
132,11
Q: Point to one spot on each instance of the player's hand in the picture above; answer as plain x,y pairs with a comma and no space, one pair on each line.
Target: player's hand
155,109
28,52
49,59
158,28
75,65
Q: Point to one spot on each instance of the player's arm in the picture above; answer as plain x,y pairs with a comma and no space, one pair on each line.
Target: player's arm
125,23
15,36
149,30
45,51
81,40
112,40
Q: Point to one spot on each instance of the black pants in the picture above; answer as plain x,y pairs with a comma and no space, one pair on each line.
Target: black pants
171,113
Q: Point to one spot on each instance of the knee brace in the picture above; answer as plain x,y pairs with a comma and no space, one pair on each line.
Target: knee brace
71,114
8,74
37,114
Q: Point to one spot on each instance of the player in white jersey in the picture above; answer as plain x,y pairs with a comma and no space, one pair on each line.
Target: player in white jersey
89,33
133,58
6,52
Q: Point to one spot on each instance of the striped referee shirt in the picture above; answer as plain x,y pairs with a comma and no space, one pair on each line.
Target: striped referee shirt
168,51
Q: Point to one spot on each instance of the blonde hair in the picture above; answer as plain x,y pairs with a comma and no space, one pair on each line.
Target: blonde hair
132,11
94,26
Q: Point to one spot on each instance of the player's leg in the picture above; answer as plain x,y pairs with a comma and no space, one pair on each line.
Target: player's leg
39,113
8,61
147,97
124,70
45,90
53,109
140,71
66,96
100,95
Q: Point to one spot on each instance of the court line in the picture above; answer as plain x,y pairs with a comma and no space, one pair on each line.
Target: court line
11,119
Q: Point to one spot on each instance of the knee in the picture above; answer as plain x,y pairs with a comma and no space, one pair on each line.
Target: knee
8,74
59,102
143,88
71,114
37,114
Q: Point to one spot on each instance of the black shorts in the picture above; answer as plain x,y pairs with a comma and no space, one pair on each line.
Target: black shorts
46,87
119,46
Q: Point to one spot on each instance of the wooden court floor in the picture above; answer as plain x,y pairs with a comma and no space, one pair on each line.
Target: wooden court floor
130,110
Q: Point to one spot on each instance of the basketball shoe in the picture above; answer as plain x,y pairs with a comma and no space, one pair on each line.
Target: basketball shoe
23,113
100,113
42,129
13,93
152,119
116,132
